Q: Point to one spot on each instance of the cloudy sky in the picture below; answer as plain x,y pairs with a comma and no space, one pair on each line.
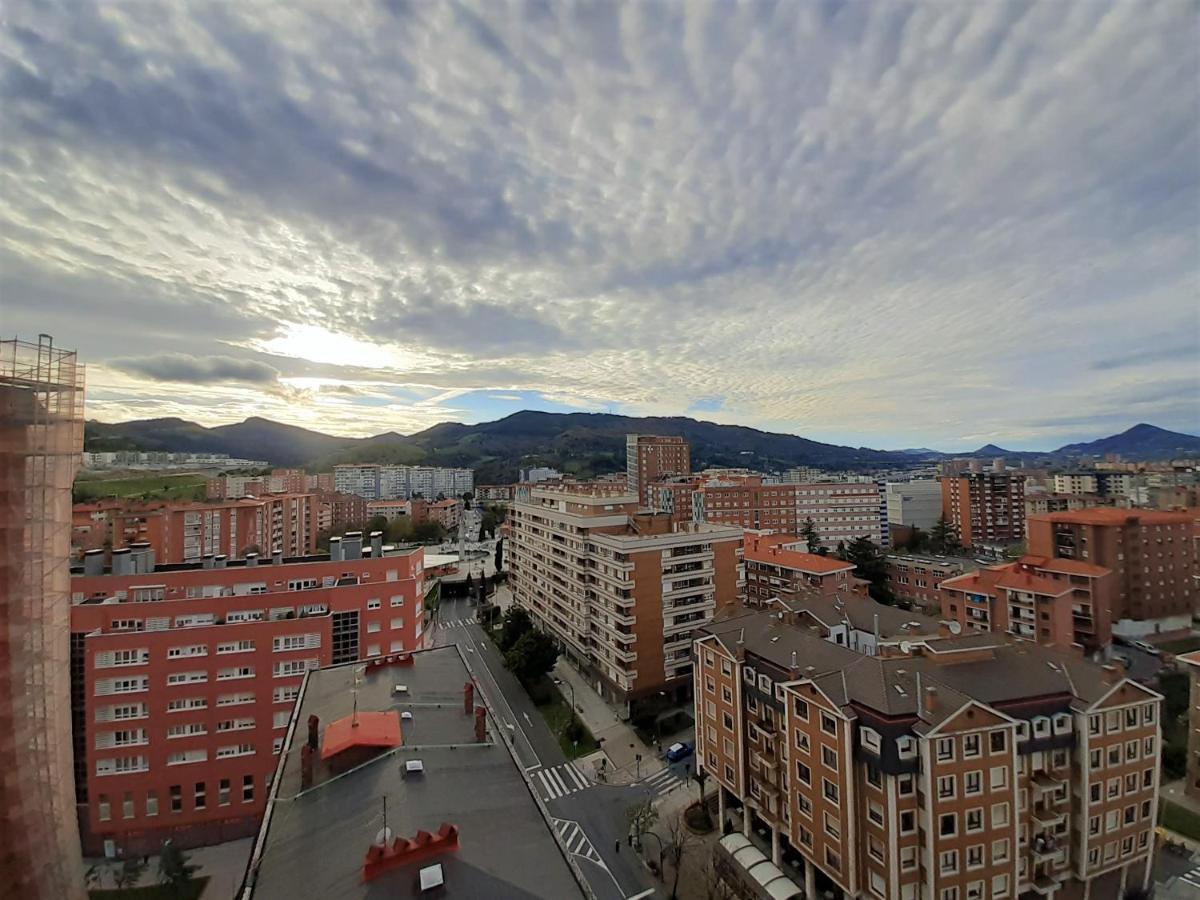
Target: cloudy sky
938,224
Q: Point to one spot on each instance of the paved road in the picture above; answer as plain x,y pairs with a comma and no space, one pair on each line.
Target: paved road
589,817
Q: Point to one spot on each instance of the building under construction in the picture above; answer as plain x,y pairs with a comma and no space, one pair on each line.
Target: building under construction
41,440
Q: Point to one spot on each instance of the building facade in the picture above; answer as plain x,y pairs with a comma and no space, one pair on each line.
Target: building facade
967,768
1151,553
915,504
779,563
41,438
1055,602
649,458
985,508
916,578
380,482
183,682
620,590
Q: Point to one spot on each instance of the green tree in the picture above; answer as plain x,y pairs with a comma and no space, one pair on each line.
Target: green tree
840,552
640,818
918,541
499,554
399,530
429,532
376,523
174,870
532,656
700,776
870,564
811,536
943,538
488,522
470,585
513,627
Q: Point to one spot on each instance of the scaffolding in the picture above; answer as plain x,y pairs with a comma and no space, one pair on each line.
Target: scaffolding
41,442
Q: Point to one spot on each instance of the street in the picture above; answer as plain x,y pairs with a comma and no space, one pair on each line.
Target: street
590,818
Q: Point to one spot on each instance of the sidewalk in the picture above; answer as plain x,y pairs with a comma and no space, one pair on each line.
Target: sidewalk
619,743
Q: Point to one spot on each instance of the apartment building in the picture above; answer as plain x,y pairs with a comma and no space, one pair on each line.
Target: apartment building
338,511
447,513
855,621
1152,554
1191,664
1076,483
1056,602
183,682
41,437
185,532
649,458
380,482
279,481
779,563
916,578
985,508
844,511
620,589
744,501
968,768
389,509
494,493
913,504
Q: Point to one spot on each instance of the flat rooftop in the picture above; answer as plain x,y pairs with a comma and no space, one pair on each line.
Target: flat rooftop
313,841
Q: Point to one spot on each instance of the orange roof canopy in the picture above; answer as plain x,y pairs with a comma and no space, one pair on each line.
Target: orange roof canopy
366,729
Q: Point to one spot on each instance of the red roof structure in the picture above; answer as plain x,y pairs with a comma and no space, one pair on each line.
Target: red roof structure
364,729
774,550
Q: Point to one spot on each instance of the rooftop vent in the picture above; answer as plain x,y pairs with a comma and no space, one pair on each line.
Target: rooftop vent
432,877
400,689
406,716
414,767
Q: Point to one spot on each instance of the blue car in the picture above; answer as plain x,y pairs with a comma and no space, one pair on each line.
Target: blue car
676,752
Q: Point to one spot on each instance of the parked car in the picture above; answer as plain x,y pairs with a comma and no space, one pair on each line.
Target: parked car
1147,648
678,751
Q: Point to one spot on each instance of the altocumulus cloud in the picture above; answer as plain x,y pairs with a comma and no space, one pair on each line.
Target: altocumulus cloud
849,220
197,369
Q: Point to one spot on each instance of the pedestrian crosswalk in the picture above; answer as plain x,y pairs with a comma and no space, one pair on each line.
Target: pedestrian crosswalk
664,782
1192,878
576,842
458,623
558,781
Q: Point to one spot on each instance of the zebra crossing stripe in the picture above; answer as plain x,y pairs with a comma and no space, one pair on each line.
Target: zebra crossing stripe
579,779
563,790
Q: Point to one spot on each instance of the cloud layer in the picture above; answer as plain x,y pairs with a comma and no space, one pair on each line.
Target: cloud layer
887,224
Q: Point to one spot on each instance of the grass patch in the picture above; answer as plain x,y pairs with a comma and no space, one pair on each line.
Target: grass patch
152,892
1180,819
1182,645
573,736
159,486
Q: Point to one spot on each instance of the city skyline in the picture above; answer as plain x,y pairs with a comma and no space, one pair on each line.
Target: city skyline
893,226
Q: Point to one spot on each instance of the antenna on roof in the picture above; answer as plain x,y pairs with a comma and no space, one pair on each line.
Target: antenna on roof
384,837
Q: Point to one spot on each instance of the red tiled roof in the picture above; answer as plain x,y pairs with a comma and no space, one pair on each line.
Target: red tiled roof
364,729
1065,566
1108,515
1035,584
982,581
768,548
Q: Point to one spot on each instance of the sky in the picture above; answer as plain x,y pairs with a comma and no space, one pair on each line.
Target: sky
881,224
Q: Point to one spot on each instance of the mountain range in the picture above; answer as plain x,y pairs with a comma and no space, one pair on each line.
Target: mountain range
584,444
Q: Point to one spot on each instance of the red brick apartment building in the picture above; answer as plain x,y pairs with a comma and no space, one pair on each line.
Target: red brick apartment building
650,458
1056,602
777,563
916,578
985,508
621,590
186,532
1151,553
183,681
971,768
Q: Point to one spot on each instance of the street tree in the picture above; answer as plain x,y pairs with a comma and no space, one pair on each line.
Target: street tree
870,564
515,624
700,776
677,840
811,536
715,887
174,871
640,818
942,537
377,523
532,656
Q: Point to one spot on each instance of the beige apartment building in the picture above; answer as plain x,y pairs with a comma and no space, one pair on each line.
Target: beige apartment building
961,768
621,590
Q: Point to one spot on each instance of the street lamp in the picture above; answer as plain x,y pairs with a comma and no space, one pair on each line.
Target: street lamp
662,851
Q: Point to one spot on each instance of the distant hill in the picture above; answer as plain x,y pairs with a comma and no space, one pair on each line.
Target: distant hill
584,444
1142,441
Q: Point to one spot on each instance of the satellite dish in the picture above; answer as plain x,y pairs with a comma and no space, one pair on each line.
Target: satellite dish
383,837
905,647
955,628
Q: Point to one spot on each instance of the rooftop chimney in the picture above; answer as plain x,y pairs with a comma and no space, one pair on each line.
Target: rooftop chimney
141,558
277,558
219,561
376,544
93,562
206,561
740,650
122,562
929,700
1111,675
335,549
251,559
352,545
314,723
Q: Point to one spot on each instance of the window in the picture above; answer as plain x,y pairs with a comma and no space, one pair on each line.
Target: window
948,862
832,826
199,795
973,783
1131,717
999,778
948,824
151,803
828,723
104,808
192,650
945,787
998,741
238,672
176,798
830,790
829,758
183,757
1148,714
832,859
1000,851
398,600
1095,759
999,887
1093,826
874,778
975,856
223,792
374,603
1147,778
372,627
803,773
904,785
800,708
804,805
286,694
999,815
727,721
186,677
236,647
1094,792
908,858
875,812
975,819
971,746
248,789
945,749
908,821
